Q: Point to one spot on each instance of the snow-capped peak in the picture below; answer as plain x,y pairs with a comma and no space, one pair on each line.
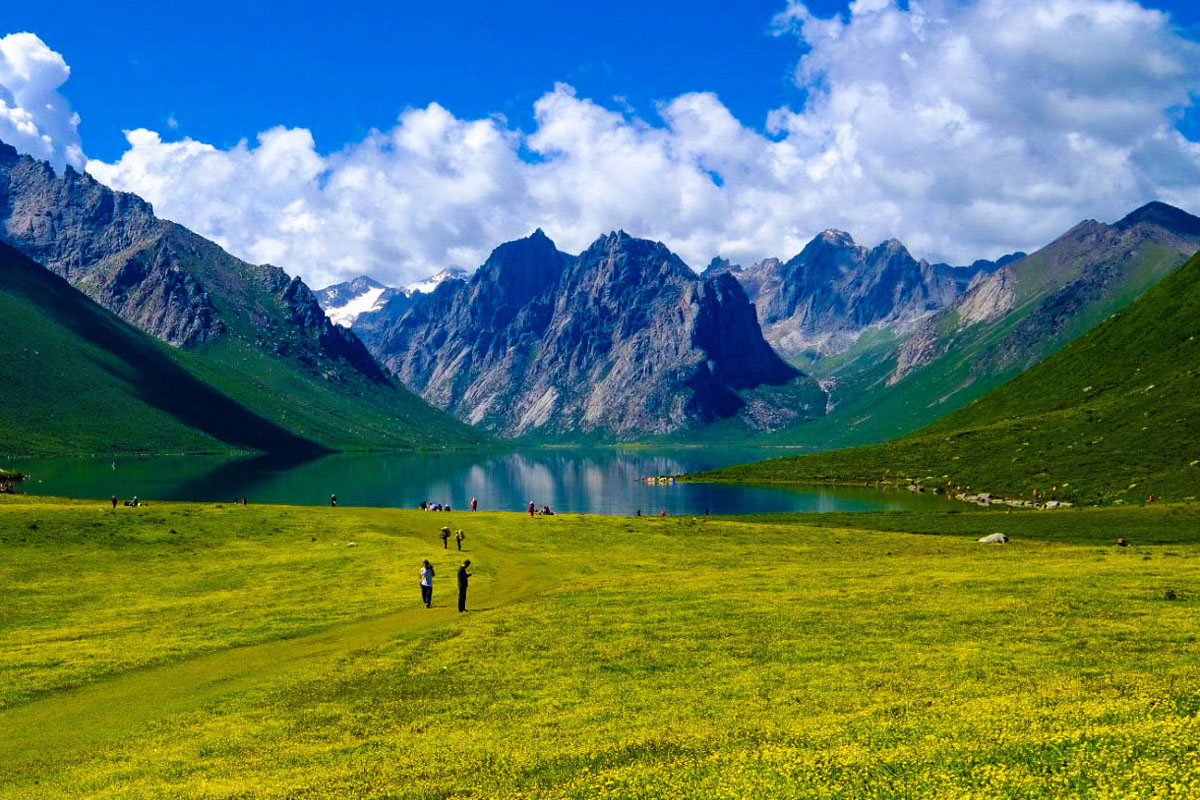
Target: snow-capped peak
433,281
344,302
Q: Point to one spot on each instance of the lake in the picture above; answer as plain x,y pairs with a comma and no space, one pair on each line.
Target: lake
592,481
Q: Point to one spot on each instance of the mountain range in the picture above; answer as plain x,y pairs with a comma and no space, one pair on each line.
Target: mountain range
881,342
891,367
839,344
345,302
621,341
251,332
822,300
1110,418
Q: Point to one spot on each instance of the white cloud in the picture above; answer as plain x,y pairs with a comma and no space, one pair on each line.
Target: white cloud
34,117
964,129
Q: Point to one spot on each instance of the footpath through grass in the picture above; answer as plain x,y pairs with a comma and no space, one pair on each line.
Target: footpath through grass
185,650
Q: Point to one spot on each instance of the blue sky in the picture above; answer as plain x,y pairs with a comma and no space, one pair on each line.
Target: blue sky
341,140
339,69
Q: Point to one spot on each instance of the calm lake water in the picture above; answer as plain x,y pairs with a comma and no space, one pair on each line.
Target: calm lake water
602,481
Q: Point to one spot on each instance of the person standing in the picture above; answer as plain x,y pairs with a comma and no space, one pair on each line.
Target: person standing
114,501
458,538
427,584
532,509
474,504
446,538
463,577
332,500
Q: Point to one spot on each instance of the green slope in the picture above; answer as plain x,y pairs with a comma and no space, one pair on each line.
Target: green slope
77,379
1060,292
281,360
1113,416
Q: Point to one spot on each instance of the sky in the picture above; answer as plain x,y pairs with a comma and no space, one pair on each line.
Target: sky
395,139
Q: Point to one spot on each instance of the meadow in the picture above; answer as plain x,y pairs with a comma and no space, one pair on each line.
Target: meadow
219,651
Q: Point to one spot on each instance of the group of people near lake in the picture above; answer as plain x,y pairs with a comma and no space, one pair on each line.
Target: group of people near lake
544,511
427,505
427,573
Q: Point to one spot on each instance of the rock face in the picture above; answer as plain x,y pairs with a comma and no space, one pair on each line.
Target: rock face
824,298
623,340
256,334
160,276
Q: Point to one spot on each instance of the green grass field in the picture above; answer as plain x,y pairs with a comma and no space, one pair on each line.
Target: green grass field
201,651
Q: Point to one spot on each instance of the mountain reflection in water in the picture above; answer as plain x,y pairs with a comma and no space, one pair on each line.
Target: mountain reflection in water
594,481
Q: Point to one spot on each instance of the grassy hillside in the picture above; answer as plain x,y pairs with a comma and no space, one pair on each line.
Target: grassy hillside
1113,416
357,414
293,370
201,651
1058,294
76,379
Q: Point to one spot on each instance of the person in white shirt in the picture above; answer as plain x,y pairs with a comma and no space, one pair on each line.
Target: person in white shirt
427,584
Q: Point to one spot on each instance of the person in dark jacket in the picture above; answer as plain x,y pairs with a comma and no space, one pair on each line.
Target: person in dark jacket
463,577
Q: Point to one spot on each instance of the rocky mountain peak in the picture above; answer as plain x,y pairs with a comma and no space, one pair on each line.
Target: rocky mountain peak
892,251
1175,220
835,237
719,265
622,340
521,269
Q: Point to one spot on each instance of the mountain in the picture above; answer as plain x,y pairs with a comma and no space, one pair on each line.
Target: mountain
430,284
343,302
1110,417
623,340
826,297
895,378
78,379
251,331
964,275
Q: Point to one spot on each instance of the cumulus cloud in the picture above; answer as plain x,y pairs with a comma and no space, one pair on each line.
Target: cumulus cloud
992,124
966,129
34,117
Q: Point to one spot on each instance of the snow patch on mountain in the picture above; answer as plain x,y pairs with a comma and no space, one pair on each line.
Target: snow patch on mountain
428,285
370,300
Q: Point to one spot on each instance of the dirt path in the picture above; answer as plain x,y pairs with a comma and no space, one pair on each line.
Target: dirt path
56,727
